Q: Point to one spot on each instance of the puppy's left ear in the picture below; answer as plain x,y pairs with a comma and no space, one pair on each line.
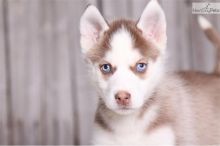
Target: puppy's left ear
153,24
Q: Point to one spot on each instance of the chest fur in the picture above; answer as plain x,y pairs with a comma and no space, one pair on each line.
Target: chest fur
133,131
161,136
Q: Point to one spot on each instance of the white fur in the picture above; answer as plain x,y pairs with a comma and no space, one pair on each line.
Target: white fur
162,136
204,23
122,55
129,130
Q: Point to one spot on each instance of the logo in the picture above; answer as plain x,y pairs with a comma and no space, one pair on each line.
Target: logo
205,8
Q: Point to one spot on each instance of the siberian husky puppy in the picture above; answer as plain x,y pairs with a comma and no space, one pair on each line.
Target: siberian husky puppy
140,103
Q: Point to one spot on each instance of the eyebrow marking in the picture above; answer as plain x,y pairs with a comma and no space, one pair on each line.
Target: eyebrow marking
142,75
107,75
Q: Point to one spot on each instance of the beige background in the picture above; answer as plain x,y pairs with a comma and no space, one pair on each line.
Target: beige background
45,93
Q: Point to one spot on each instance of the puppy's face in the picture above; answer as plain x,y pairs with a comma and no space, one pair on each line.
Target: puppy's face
126,57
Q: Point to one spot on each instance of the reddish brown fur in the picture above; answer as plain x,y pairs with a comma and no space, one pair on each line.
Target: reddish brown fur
146,47
100,116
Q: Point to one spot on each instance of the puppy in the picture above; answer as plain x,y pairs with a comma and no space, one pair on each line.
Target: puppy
140,103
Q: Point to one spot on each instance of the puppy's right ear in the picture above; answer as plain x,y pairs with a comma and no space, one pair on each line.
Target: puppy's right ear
92,25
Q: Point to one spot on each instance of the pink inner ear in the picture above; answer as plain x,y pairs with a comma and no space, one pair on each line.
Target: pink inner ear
95,36
155,32
94,32
150,34
91,34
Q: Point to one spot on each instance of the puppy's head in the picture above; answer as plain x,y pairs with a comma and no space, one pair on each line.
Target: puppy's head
126,57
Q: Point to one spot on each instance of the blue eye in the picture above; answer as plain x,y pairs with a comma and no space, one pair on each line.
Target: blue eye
106,68
141,67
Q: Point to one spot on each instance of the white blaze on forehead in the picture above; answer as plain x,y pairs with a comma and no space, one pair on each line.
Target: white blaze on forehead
122,48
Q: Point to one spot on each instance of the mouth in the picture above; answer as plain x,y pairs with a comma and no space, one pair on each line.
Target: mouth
124,110
124,107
